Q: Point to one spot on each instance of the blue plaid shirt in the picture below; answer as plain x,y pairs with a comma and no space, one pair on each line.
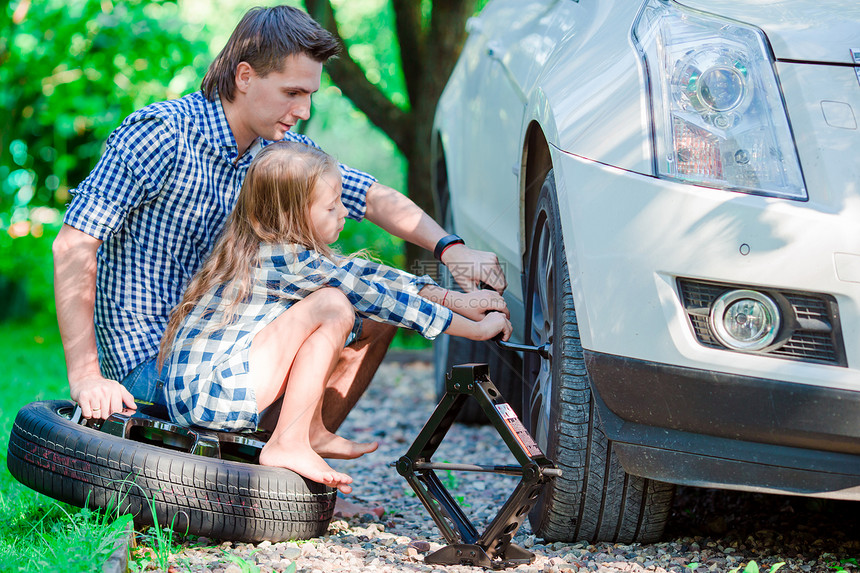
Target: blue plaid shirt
158,199
206,371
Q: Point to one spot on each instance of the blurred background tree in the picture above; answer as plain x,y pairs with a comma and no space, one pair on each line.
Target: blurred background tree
394,70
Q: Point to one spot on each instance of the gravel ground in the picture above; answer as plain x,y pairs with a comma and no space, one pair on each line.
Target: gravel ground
710,530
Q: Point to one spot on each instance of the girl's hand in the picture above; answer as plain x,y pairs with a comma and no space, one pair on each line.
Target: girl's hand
477,304
495,323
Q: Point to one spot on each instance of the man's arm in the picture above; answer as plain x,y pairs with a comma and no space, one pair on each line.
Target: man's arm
400,216
75,290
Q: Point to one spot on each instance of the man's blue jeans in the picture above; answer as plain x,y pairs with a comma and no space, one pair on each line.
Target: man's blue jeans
147,388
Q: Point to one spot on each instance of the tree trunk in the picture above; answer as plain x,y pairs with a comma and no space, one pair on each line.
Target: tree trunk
428,53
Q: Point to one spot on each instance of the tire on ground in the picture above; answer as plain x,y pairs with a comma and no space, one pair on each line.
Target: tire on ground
192,494
595,499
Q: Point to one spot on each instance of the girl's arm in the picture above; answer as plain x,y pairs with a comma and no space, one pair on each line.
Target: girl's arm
473,305
488,327
376,291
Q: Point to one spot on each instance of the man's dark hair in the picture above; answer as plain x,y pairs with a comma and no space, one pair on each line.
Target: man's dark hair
264,38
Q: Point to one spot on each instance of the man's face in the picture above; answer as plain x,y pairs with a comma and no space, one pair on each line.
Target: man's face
276,102
327,212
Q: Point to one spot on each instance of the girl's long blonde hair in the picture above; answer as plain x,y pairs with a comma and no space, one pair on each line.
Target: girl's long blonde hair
273,207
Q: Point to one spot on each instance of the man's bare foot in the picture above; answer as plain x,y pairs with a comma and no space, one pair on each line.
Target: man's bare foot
305,462
329,445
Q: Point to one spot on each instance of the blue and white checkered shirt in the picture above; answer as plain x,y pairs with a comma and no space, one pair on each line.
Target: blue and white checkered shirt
206,372
158,199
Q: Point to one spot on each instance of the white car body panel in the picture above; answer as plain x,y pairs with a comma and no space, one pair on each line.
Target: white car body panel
571,70
822,31
603,121
704,241
797,245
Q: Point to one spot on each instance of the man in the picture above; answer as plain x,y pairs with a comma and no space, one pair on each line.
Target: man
147,216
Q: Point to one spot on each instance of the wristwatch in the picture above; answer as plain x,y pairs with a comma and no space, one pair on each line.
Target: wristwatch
446,242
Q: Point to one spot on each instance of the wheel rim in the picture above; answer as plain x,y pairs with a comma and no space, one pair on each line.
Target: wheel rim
238,447
542,330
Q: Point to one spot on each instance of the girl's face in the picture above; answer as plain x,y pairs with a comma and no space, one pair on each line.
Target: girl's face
327,212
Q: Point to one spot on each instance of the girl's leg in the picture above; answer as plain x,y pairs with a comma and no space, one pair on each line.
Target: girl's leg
324,442
294,356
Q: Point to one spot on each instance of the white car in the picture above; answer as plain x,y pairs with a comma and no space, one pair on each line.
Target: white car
673,188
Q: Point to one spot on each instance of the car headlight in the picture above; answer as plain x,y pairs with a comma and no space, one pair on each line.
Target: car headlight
718,115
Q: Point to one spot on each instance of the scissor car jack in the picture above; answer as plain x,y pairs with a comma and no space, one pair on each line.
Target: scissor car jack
493,548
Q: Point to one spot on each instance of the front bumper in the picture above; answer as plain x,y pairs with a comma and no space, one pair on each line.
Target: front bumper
630,237
696,427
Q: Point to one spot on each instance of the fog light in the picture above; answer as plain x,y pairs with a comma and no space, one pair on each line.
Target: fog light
745,320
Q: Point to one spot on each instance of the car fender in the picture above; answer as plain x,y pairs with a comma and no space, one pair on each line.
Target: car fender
595,86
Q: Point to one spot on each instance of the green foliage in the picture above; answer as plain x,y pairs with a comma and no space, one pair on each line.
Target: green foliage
26,265
843,565
244,565
158,543
70,71
346,133
33,369
368,29
32,525
449,478
752,567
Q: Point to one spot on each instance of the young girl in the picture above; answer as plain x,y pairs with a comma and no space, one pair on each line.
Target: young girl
266,317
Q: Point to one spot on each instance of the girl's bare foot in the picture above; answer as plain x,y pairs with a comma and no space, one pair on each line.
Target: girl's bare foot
329,445
305,462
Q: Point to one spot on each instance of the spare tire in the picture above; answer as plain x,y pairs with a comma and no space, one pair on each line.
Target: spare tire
212,497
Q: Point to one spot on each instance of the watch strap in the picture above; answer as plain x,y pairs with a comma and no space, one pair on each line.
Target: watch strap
444,243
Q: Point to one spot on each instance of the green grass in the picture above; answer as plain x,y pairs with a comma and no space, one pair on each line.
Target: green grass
36,532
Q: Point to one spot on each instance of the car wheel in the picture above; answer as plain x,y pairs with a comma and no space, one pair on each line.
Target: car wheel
595,499
218,498
448,351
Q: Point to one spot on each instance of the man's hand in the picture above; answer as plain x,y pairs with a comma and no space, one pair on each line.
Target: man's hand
470,268
100,397
398,215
